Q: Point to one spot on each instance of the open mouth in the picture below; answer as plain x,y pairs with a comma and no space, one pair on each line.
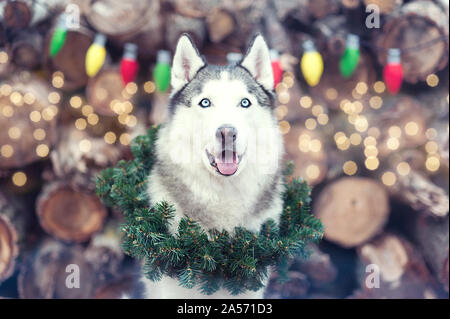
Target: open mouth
227,163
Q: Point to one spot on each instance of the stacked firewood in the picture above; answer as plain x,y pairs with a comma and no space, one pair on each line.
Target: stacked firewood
378,163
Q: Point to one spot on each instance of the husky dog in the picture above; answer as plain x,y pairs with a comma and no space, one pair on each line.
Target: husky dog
219,153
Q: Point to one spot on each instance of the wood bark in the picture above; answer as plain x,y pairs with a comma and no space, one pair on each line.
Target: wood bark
318,267
431,236
401,269
421,194
27,13
26,49
180,24
105,252
44,273
297,286
385,6
331,34
305,11
352,210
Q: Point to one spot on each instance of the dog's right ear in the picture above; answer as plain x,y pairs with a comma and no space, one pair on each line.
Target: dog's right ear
186,63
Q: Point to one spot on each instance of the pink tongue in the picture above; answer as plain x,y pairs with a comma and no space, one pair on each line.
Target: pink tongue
227,166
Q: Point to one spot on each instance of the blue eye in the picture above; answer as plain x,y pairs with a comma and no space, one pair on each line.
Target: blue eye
245,103
205,103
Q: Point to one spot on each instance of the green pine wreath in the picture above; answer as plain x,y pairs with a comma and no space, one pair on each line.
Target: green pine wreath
237,262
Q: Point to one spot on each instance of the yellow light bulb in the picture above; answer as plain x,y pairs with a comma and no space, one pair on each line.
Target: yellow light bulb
311,64
95,55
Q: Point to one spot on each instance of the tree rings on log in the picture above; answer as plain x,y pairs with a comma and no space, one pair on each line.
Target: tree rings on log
68,214
412,24
352,210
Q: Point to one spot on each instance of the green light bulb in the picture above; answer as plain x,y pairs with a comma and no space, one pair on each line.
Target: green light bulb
58,37
161,73
350,58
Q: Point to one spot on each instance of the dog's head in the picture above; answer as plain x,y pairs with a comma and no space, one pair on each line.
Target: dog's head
222,117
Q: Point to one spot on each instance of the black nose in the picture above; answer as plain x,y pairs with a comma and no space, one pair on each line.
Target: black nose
226,134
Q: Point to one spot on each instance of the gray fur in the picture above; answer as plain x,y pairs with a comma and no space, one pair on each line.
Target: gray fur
212,72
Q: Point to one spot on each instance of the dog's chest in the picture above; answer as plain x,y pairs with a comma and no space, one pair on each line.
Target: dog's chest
214,205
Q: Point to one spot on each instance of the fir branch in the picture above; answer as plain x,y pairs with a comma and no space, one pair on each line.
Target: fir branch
209,259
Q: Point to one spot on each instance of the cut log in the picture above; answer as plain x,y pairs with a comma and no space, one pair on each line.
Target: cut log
305,11
431,236
104,88
117,18
198,9
401,270
46,273
409,119
384,6
407,28
27,119
70,60
248,16
352,210
76,167
220,24
116,289
12,230
26,13
26,49
136,21
318,267
105,252
297,286
179,24
69,214
418,192
332,33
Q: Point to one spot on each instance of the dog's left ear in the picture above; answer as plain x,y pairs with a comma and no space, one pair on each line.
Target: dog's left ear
186,63
257,62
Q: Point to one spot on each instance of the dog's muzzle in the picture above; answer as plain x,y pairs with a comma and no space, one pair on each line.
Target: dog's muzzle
227,161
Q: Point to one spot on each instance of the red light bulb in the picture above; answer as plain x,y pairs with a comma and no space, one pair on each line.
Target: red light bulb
129,65
393,71
276,67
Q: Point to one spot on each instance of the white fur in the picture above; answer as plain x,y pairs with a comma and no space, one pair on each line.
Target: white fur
257,62
230,199
186,63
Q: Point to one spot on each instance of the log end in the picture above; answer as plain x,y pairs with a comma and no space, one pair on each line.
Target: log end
8,248
352,210
70,215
